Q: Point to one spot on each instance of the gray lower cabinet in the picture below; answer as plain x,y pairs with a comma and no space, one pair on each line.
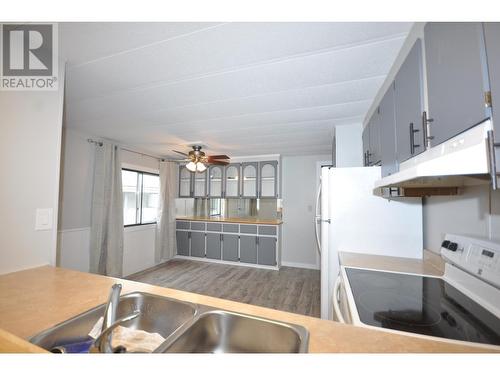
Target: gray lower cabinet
454,77
214,245
248,249
267,251
198,244
230,247
388,133
182,242
408,94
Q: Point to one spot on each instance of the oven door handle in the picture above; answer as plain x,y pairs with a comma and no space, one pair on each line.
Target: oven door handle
336,297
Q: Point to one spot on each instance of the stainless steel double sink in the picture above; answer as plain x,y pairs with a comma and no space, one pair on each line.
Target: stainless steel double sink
186,327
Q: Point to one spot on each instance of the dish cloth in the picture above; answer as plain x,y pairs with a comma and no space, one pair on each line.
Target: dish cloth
135,340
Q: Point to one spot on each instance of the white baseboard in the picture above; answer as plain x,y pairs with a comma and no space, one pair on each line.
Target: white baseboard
300,265
229,263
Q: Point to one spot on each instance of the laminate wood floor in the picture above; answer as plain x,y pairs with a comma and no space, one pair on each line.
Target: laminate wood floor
290,289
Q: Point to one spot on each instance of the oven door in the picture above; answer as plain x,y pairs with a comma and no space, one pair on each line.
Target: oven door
341,310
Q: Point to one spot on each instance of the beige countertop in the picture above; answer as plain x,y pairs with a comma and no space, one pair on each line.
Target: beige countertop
431,264
239,220
38,298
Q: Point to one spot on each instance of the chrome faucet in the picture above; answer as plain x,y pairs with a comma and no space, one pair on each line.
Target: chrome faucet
103,343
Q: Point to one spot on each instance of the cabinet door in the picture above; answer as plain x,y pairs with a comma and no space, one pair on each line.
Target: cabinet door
492,39
230,247
213,245
454,77
366,144
387,133
182,242
249,180
232,181
215,176
268,178
267,251
408,105
375,155
185,182
197,244
200,184
248,249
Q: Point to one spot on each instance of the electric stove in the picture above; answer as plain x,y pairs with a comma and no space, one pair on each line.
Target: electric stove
462,305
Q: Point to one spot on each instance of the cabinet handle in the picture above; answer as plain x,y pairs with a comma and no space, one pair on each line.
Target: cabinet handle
425,127
413,146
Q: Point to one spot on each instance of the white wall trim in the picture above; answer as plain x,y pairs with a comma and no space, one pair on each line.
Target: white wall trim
301,265
73,230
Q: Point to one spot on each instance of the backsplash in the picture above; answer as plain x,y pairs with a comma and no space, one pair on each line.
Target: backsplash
228,207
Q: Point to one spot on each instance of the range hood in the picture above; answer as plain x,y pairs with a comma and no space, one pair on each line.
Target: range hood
441,170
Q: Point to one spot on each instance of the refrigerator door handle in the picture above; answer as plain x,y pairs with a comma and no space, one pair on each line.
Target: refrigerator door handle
317,218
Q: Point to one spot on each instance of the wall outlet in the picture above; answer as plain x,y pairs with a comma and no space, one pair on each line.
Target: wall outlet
43,219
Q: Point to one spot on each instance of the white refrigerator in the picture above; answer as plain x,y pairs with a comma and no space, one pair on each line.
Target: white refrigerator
350,218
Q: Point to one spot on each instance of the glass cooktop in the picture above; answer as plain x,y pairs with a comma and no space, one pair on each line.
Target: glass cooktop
423,305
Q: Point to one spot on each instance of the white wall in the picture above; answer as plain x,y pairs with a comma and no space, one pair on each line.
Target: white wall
30,148
349,146
475,213
75,203
300,181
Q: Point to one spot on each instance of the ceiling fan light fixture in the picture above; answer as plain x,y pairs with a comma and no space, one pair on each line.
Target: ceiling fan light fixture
200,167
191,166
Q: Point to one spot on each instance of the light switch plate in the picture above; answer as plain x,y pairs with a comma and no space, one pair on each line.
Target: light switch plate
43,219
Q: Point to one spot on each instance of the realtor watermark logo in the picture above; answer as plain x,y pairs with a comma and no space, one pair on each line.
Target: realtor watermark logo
28,57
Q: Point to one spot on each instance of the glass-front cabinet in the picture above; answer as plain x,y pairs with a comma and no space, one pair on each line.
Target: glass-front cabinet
215,177
232,181
249,172
185,182
268,179
200,184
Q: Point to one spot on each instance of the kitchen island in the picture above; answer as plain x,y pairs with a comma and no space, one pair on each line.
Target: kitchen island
36,299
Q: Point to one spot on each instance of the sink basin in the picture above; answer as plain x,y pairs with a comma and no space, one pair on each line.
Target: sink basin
219,331
158,314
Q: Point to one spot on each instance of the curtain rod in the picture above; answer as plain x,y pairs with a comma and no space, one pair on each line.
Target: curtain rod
99,143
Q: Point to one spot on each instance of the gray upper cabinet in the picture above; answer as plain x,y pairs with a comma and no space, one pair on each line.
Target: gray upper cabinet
200,189
388,133
454,77
408,101
185,182
232,180
366,144
249,183
492,40
268,179
215,179
375,151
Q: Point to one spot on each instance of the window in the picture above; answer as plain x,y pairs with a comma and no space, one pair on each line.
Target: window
141,194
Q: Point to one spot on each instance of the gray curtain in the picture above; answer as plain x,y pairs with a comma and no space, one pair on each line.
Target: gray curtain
165,244
106,233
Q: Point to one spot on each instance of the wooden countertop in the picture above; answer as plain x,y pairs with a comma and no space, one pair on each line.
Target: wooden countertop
38,298
431,264
239,220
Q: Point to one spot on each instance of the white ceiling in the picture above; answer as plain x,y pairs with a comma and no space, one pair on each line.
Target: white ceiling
240,88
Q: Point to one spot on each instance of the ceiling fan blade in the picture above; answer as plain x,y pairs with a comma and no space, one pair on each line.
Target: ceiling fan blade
181,153
218,157
218,162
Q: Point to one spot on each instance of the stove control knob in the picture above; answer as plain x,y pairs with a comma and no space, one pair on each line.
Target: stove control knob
445,244
453,246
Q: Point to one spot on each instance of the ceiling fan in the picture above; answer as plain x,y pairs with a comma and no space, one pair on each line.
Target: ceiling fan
198,159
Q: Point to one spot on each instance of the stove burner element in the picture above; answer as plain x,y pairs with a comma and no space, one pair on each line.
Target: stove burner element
390,307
